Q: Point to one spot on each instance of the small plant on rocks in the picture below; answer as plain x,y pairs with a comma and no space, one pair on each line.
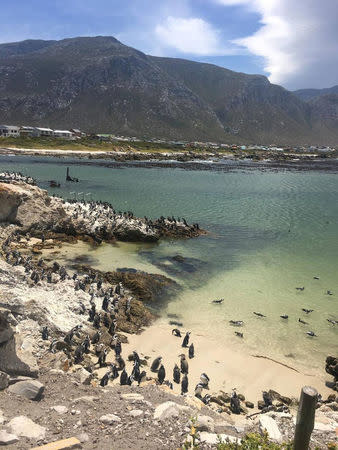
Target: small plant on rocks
254,441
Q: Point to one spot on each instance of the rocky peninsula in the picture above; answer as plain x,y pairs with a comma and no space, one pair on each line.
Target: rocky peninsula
70,364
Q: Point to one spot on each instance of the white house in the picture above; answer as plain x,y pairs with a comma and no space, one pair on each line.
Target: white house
9,130
44,131
29,131
64,134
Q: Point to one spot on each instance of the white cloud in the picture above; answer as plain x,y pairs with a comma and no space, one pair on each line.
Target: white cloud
297,39
190,35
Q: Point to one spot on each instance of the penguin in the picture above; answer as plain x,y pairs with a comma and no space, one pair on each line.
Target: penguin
334,322
104,380
118,348
78,354
191,351
114,371
300,288
45,333
235,404
316,278
204,379
184,385
184,364
142,377
186,339
237,333
176,332
302,321
267,398
206,399
124,378
311,333
259,314
136,371
102,358
161,374
177,374
329,293
236,323
121,363
156,364
96,337
199,390
218,301
284,316
136,357
307,311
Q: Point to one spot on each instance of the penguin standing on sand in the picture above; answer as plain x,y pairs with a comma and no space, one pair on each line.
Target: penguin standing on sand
184,365
185,342
191,351
184,385
105,379
161,374
177,374
124,378
156,364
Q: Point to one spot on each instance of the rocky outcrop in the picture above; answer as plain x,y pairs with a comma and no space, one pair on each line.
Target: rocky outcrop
29,206
14,358
332,368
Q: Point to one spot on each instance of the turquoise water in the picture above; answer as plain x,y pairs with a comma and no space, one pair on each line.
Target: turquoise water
270,231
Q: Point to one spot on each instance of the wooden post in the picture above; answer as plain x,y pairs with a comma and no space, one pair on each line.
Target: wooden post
305,418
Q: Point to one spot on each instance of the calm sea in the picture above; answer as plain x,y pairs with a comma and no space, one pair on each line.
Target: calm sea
270,232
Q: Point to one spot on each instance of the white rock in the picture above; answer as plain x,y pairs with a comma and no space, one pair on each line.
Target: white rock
270,425
204,423
132,396
84,376
166,410
213,438
60,409
136,412
323,426
2,418
83,437
109,419
23,426
7,438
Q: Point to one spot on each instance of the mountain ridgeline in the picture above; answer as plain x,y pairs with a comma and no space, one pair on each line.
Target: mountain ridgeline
100,85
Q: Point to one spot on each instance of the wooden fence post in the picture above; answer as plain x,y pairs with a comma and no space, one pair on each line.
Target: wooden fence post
305,417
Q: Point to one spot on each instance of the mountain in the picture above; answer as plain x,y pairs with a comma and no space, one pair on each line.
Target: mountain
101,85
310,94
323,102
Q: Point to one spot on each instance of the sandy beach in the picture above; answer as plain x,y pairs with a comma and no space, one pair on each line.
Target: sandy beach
226,368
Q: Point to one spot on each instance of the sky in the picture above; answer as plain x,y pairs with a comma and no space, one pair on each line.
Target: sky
293,42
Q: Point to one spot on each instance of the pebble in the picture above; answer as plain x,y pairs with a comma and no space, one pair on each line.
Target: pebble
132,396
60,409
109,419
136,412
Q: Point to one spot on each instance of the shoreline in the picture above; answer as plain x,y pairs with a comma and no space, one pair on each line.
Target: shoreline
186,160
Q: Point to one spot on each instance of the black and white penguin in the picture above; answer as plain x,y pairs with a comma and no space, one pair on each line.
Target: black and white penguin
124,378
142,377
177,374
191,351
199,390
176,332
45,333
104,380
96,337
185,342
161,374
184,385
184,364
156,364
204,379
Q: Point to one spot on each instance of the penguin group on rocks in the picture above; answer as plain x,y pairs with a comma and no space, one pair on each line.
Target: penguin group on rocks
9,177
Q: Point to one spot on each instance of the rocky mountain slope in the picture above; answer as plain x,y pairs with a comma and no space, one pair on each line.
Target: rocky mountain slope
101,85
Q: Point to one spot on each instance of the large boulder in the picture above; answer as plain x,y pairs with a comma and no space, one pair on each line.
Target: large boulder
29,206
14,359
31,389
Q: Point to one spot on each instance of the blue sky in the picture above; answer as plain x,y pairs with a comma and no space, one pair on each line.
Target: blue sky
293,42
